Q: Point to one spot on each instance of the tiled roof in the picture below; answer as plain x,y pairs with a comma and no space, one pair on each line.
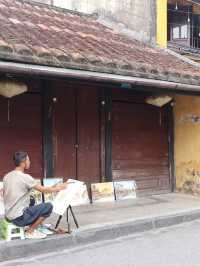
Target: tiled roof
44,35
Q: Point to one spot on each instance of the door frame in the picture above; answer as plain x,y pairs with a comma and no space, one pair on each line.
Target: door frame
47,118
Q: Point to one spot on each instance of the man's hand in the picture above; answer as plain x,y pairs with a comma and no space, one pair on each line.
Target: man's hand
61,186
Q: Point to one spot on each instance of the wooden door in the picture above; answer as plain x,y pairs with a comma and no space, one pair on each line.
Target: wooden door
76,133
64,132
140,145
88,135
21,129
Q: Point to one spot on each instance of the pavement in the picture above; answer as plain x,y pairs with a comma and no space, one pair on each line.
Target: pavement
177,245
105,221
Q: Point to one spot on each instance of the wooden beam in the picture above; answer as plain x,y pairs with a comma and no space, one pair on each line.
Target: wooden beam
108,135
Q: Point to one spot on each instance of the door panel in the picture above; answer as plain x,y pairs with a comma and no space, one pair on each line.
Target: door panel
76,133
88,156
140,145
22,132
64,132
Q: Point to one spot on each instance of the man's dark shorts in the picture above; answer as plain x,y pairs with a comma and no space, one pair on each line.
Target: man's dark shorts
32,213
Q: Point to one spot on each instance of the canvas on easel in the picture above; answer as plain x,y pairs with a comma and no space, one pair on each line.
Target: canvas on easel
74,195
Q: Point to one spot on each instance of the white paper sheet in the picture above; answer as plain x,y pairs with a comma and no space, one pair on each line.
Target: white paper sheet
75,194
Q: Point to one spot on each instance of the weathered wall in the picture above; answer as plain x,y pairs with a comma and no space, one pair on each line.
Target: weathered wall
133,17
187,143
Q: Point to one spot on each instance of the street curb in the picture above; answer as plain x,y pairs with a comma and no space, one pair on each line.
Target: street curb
23,248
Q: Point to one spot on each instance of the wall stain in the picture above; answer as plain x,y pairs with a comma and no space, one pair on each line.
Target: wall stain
188,178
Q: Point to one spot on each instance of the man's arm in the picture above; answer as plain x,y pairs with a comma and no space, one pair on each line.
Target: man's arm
55,188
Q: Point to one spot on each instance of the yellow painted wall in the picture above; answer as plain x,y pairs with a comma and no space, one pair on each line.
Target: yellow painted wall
187,143
161,31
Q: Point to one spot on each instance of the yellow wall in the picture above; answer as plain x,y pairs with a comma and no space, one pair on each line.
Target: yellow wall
161,23
187,143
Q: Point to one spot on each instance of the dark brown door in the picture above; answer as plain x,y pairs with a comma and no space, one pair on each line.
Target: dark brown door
88,135
64,132
76,133
21,129
140,145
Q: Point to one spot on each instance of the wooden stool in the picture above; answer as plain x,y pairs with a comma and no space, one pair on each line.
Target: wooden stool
9,231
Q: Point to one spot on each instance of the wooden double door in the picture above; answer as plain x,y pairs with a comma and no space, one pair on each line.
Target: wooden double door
76,133
140,143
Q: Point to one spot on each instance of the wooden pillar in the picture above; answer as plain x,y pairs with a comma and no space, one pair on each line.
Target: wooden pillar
161,34
108,135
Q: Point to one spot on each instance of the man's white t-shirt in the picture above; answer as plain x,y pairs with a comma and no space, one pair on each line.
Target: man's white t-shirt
17,186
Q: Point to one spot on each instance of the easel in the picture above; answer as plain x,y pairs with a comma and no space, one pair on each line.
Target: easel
69,208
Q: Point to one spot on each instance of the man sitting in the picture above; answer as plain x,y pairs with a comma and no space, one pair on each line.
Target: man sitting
17,186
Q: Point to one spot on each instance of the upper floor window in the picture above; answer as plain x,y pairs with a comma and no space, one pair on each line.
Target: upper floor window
179,32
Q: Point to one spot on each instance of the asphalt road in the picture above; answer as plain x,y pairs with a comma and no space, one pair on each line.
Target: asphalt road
172,246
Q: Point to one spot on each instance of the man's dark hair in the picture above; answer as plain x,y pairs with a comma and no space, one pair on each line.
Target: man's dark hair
19,156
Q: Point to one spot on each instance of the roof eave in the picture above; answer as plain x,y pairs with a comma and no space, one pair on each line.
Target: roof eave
56,72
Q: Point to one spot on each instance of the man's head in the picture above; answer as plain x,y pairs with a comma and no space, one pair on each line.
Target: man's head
21,159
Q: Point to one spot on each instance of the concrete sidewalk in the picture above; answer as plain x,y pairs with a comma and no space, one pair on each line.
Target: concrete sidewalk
111,220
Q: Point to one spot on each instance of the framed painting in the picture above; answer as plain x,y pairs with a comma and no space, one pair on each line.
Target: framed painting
125,189
49,182
102,192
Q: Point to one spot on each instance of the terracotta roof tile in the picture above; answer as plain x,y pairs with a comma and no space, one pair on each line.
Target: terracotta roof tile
5,47
14,21
23,49
47,35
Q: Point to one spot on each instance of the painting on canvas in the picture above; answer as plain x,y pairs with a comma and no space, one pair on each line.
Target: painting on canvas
102,192
75,194
125,189
2,212
49,182
36,194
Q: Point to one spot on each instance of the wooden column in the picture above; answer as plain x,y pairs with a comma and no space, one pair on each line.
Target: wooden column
108,135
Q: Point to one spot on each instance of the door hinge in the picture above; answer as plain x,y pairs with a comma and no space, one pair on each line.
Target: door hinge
109,116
